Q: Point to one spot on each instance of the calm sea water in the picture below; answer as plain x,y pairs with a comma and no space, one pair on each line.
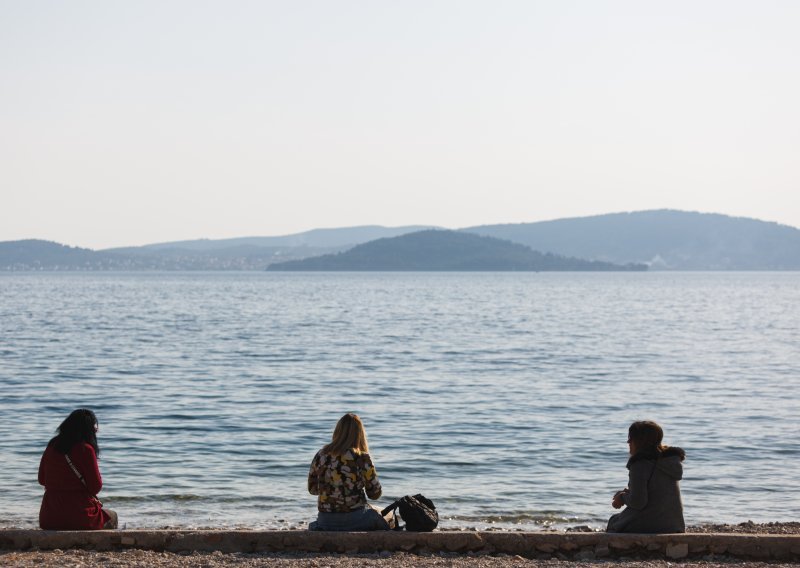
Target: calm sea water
503,397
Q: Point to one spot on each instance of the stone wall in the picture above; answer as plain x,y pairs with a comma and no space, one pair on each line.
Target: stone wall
579,546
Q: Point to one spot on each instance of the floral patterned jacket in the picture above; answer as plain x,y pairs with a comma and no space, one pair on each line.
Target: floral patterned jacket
341,481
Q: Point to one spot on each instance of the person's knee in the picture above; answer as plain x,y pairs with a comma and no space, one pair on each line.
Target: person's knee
112,521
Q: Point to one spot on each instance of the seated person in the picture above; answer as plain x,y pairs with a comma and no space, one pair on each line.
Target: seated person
71,478
342,476
652,499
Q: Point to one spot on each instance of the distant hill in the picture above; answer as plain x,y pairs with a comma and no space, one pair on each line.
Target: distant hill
45,255
663,239
33,254
344,237
253,253
247,253
235,257
440,250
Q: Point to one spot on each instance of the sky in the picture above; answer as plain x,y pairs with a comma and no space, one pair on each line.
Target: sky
126,123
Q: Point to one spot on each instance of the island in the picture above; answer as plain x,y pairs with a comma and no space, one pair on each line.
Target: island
443,250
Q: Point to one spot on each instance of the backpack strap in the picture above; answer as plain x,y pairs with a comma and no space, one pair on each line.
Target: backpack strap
78,474
391,508
75,469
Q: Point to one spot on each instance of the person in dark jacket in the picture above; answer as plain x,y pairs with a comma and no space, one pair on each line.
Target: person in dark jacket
71,478
652,499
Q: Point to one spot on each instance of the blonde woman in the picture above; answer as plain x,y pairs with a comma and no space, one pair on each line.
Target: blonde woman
343,477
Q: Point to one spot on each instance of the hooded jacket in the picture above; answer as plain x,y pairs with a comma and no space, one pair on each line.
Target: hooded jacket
653,500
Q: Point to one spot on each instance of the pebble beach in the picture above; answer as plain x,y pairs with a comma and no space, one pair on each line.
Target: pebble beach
130,558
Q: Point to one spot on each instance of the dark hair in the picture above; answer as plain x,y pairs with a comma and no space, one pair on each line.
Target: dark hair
78,427
647,437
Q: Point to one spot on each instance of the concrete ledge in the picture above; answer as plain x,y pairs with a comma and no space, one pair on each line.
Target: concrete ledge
579,546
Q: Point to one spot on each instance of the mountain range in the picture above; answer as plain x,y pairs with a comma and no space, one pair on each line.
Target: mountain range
660,239
663,239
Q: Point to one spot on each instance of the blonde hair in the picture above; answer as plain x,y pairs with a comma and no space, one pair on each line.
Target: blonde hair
349,434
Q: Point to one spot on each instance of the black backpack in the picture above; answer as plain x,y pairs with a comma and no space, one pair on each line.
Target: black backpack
417,511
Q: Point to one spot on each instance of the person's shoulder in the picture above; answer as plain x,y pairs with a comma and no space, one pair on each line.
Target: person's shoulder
48,450
363,457
83,449
674,452
357,456
641,463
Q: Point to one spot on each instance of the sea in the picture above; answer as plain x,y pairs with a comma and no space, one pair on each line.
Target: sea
503,397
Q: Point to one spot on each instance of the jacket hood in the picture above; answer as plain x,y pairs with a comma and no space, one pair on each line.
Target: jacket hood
671,466
669,461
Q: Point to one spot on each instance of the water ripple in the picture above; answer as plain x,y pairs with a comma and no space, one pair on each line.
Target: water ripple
504,397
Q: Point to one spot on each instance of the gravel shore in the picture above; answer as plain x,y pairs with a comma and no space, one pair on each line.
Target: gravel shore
749,527
131,558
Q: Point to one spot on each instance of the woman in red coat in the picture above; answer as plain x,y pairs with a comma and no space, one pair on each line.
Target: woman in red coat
71,478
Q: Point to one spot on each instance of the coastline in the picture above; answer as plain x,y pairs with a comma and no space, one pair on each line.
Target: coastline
708,545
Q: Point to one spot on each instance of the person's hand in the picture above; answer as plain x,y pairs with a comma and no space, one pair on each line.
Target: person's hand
617,501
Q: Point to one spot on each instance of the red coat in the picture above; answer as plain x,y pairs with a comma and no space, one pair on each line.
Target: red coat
68,504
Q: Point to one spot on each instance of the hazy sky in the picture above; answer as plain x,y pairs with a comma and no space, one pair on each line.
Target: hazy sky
130,122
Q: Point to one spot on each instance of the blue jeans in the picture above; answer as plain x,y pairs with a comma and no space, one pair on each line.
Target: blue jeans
363,519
